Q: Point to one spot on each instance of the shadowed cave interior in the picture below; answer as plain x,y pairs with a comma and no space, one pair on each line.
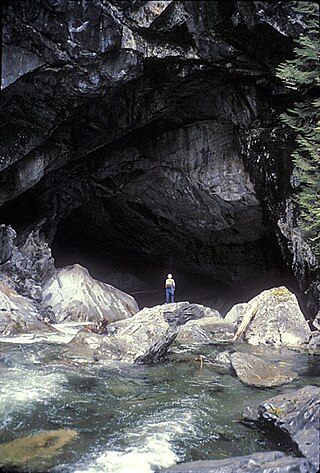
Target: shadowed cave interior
127,263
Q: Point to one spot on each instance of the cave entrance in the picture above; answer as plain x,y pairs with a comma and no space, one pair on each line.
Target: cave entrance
126,254
120,262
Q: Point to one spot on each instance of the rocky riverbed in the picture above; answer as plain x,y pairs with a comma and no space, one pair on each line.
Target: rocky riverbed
264,343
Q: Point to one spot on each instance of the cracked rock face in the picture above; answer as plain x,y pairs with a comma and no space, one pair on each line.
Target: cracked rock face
147,135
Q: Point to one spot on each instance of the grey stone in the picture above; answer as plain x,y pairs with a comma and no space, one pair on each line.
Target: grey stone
314,341
206,330
257,372
7,237
264,462
278,320
19,314
143,338
296,413
316,321
179,314
73,294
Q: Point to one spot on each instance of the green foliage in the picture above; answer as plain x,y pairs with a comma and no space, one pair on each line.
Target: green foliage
302,74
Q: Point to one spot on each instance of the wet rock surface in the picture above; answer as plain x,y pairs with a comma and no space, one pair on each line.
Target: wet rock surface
34,452
265,462
19,314
297,413
257,372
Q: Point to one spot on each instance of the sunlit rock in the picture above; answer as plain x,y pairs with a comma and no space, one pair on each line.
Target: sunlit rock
33,452
143,338
255,371
74,295
207,330
18,314
277,321
128,339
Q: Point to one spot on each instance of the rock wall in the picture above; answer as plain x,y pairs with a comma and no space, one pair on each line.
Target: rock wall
151,130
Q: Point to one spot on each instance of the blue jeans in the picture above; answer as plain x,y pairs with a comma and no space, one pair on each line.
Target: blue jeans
169,295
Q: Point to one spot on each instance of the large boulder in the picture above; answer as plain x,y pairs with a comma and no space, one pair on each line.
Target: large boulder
263,462
129,340
143,338
18,314
297,413
277,320
254,371
211,329
74,295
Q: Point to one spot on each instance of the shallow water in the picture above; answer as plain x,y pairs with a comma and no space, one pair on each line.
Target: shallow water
133,419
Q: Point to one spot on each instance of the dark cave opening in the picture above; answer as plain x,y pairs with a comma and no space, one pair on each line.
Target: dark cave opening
141,272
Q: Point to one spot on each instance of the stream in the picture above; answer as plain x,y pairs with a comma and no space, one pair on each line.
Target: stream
132,419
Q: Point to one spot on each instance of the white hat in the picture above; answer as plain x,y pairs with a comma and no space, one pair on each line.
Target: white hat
169,276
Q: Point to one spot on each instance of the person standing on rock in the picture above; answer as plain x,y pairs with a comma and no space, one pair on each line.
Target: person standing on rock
170,286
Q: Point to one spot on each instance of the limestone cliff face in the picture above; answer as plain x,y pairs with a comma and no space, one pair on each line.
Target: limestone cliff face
150,129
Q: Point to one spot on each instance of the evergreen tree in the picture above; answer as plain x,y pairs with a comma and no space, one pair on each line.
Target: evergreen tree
302,74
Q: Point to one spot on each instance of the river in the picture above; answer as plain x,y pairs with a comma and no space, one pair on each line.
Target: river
132,419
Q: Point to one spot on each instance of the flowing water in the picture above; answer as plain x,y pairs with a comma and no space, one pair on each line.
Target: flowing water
131,419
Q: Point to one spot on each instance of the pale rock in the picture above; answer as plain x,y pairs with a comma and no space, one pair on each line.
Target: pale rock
278,319
143,338
74,295
207,330
18,314
254,371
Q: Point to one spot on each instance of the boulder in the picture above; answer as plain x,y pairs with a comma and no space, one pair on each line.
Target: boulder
263,462
18,314
27,451
179,314
254,371
278,319
74,295
296,413
143,338
131,340
207,330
